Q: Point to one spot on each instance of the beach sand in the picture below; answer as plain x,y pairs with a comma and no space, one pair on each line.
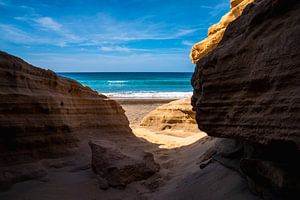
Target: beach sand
136,109
179,177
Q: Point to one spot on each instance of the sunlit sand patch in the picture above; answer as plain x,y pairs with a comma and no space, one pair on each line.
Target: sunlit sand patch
166,140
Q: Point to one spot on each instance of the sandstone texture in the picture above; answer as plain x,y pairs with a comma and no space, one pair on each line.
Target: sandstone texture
176,115
118,167
247,89
42,114
171,125
216,32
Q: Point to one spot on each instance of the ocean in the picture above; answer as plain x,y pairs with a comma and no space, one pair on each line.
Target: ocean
136,84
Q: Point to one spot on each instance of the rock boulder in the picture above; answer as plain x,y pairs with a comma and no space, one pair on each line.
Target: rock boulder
120,168
176,115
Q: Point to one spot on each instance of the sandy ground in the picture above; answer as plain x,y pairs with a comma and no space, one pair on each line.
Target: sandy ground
136,109
179,177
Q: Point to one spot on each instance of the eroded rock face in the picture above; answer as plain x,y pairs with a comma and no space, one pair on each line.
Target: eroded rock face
216,32
119,168
176,115
248,89
41,112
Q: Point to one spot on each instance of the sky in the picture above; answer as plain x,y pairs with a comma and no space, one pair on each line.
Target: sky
107,35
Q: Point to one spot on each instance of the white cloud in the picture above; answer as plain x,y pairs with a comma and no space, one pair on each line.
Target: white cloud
208,7
99,62
187,43
105,29
184,32
114,48
21,18
62,36
138,35
102,30
48,23
3,3
217,9
14,34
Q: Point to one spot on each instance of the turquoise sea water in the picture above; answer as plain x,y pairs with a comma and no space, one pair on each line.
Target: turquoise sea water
136,84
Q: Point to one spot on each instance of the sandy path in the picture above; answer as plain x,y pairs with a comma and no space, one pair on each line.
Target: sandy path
180,177
136,109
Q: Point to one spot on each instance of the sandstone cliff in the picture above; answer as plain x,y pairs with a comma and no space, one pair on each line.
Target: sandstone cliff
248,89
41,112
216,32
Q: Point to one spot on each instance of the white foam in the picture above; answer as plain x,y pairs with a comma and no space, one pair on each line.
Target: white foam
150,95
117,81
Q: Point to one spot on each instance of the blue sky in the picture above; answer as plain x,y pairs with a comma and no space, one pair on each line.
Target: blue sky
107,35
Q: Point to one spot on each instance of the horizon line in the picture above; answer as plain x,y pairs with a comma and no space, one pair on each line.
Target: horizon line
116,72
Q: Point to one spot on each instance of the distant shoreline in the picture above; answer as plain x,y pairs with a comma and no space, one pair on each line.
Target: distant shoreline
142,85
148,95
191,72
144,100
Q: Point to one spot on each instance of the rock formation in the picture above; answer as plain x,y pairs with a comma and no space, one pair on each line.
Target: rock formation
176,115
42,113
216,32
170,125
247,89
119,168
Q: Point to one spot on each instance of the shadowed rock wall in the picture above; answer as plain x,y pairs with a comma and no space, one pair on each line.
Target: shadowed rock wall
41,112
248,89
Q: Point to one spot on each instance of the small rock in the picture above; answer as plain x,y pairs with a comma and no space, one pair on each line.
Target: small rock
119,168
103,184
205,163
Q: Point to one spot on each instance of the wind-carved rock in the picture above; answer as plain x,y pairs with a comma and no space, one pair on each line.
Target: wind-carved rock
248,89
176,115
216,32
42,115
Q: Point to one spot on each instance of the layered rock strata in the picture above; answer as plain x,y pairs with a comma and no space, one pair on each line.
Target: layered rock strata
41,112
248,89
176,115
216,31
